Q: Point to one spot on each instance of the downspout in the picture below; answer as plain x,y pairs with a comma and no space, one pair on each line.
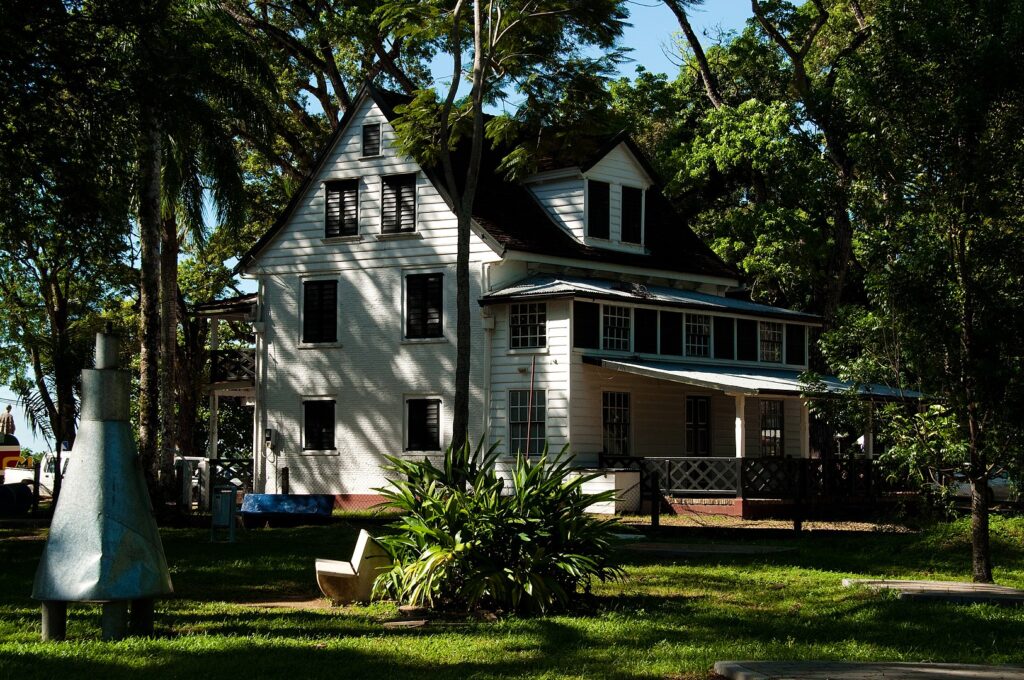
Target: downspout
487,321
529,403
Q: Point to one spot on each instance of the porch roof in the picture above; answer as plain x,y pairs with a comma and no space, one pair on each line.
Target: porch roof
751,381
549,287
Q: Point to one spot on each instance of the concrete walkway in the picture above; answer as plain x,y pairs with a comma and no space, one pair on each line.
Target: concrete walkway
945,591
838,670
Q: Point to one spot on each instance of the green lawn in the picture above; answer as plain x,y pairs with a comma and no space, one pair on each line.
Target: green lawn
670,618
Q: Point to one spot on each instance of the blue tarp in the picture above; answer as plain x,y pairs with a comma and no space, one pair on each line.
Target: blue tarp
286,509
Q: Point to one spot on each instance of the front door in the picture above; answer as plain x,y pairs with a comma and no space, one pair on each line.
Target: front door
698,426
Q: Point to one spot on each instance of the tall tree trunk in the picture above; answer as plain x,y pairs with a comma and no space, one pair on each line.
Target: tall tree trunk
188,374
149,295
168,350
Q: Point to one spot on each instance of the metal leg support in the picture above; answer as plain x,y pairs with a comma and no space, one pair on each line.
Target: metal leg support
55,620
140,622
114,621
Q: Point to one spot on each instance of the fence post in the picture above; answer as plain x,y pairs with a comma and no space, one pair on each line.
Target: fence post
655,500
801,494
284,480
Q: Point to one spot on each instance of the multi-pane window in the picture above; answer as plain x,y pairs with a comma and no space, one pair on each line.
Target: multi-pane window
527,411
616,328
771,427
527,325
319,311
598,209
341,216
698,335
615,422
698,426
399,204
318,428
771,341
423,425
371,139
632,214
424,300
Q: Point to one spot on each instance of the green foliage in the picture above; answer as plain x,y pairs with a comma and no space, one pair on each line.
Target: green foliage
927,439
465,540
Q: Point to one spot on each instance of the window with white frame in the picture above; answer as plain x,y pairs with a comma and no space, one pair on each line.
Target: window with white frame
616,328
341,217
424,306
772,443
423,425
527,413
527,325
398,209
318,425
371,139
319,311
615,419
771,341
698,335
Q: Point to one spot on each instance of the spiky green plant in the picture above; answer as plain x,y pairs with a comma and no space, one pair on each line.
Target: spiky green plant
469,538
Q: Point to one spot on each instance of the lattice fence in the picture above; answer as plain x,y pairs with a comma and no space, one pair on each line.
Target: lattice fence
237,473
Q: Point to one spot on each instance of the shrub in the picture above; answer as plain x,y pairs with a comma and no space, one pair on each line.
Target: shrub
466,541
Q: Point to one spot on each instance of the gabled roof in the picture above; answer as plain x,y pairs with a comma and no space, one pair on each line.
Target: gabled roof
510,214
545,287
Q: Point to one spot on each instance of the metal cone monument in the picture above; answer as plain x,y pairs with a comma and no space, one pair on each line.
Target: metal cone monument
104,545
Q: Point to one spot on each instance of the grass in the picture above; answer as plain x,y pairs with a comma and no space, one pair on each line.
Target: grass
671,618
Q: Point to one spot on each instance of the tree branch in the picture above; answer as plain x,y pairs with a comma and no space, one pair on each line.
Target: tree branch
706,76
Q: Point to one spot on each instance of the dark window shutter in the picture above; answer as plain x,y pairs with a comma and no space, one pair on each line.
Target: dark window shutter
424,423
320,311
319,418
746,340
598,207
795,354
399,204
725,331
632,214
424,297
645,334
342,215
586,325
371,139
672,333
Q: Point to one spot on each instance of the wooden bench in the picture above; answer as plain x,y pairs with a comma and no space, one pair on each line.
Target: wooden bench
346,582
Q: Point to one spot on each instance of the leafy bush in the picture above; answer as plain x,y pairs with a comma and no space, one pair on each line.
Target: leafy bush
465,540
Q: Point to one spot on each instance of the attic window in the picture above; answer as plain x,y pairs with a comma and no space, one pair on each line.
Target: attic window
632,215
598,209
371,139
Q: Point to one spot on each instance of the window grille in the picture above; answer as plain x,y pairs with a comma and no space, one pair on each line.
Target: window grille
616,419
771,428
399,204
616,328
698,335
371,139
771,341
319,425
527,430
528,325
423,425
424,300
319,311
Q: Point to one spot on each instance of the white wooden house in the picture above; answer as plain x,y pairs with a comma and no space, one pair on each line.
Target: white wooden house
603,322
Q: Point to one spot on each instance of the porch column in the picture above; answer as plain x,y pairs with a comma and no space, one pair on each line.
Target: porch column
869,432
211,442
741,425
805,430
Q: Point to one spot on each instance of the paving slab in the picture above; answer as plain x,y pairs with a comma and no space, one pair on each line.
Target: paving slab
945,591
840,670
706,548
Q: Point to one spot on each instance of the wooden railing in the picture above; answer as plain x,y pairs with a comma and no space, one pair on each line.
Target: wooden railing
233,365
237,473
768,478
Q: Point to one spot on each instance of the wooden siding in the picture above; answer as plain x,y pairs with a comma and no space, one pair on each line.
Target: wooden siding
563,200
371,369
510,370
619,167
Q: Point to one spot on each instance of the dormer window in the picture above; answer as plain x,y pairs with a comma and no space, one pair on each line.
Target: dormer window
371,139
341,216
598,209
632,215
